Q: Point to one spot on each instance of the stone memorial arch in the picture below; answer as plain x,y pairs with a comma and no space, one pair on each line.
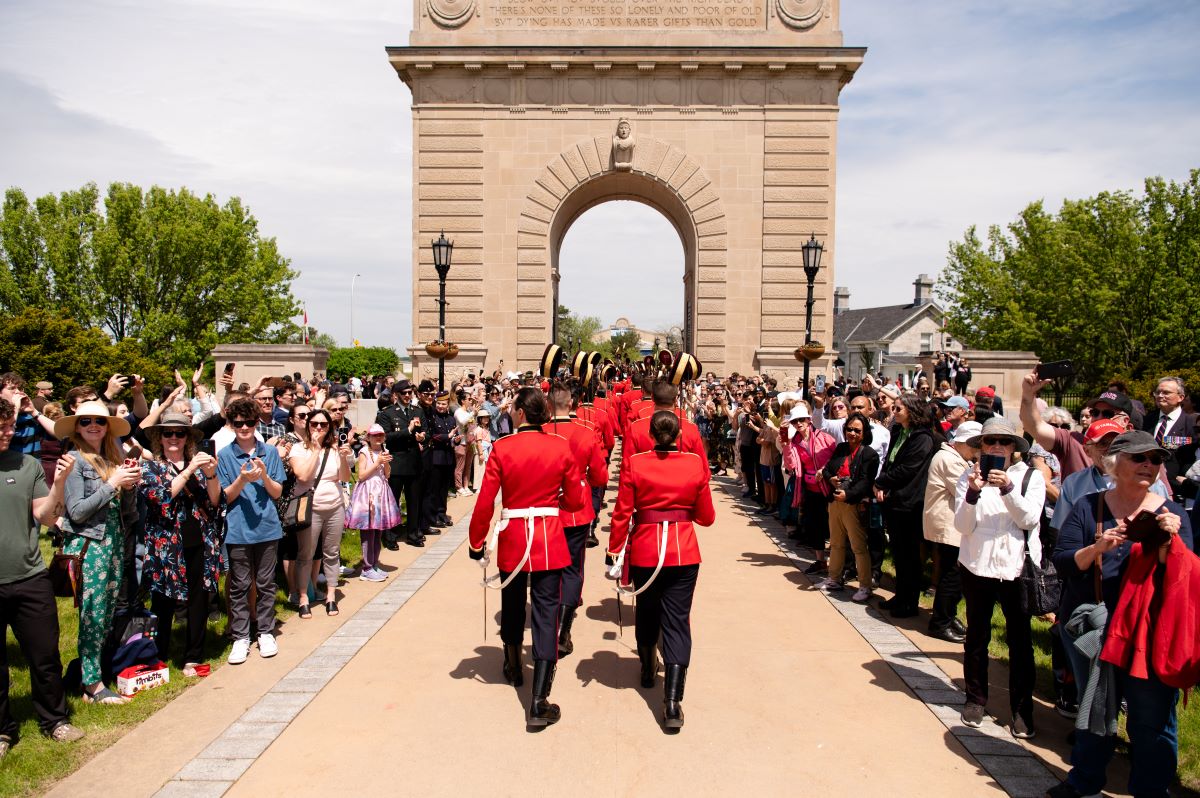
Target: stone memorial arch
722,117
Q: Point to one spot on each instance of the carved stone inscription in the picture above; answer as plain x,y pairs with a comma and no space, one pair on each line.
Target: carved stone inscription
631,15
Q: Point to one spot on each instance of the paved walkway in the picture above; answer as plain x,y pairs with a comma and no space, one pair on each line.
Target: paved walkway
788,691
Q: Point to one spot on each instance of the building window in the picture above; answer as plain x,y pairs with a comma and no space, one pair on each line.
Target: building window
926,342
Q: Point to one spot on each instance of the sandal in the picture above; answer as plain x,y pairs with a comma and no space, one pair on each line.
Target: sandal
305,612
103,696
331,608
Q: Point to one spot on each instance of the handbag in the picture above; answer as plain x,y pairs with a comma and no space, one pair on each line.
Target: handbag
298,513
66,573
1040,587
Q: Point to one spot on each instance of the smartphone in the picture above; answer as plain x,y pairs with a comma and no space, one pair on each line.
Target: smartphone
229,367
1056,370
820,388
131,462
1143,528
209,447
989,463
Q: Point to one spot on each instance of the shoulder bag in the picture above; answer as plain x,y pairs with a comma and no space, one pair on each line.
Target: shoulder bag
66,573
298,513
1041,589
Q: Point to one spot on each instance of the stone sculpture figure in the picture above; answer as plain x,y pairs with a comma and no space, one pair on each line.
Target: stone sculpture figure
622,147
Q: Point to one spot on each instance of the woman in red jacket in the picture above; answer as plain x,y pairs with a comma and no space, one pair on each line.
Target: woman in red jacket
663,493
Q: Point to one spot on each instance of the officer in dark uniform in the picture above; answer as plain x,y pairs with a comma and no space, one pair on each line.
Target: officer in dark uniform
439,464
403,424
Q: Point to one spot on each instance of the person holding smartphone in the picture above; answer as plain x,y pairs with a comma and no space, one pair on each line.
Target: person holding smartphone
998,509
101,507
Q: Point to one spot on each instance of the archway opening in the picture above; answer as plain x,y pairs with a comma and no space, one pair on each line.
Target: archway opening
622,265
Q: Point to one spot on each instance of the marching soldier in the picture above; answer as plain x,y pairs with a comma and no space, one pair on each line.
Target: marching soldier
639,438
402,422
536,474
663,493
590,469
594,414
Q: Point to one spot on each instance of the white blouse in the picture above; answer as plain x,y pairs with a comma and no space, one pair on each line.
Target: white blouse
993,544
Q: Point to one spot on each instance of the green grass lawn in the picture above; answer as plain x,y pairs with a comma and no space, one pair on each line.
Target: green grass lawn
36,762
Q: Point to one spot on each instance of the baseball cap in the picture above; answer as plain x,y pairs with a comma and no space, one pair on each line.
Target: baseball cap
1105,426
1136,441
954,401
966,431
985,393
375,429
1115,399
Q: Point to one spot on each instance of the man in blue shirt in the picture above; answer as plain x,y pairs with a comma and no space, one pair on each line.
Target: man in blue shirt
251,474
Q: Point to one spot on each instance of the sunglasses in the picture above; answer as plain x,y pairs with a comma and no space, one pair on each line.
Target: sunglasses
174,433
318,424
852,431
241,422
406,392
88,421
303,415
990,441
1104,413
1154,459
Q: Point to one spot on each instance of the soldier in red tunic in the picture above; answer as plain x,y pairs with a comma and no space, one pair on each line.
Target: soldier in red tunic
590,469
663,493
537,475
639,438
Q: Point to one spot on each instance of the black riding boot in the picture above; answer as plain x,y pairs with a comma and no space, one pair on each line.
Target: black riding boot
566,617
512,665
673,696
541,711
649,660
592,540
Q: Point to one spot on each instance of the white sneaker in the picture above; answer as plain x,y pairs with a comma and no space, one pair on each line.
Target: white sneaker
862,595
239,652
267,646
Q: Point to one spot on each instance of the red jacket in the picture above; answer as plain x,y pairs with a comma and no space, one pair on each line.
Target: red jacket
619,407
634,412
1170,641
661,481
533,469
640,440
589,462
596,418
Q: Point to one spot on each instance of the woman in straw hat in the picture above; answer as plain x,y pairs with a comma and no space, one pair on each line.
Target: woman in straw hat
99,501
183,533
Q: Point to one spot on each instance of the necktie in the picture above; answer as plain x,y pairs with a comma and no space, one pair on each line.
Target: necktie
1162,431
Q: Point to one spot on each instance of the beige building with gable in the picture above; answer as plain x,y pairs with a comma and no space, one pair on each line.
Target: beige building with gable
730,131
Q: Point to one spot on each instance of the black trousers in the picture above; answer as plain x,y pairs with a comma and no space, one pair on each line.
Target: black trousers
665,609
572,575
905,533
876,540
982,594
29,609
545,593
749,456
949,588
597,501
814,520
195,612
433,502
410,487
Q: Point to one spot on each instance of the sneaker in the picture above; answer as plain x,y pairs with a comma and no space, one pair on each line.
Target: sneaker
1022,730
1068,709
372,575
346,572
66,733
972,715
267,647
5,744
239,652
817,567
862,596
831,586
1065,790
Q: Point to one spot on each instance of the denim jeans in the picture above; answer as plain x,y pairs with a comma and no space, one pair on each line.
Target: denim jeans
1153,738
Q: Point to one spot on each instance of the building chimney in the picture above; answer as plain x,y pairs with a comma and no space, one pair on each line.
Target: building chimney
924,292
841,300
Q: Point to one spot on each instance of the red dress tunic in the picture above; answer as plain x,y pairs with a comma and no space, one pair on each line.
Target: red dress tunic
589,464
533,469
661,481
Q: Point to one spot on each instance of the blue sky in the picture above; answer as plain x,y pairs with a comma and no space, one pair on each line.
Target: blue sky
963,113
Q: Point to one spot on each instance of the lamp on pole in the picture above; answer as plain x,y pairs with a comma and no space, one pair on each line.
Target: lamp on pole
442,251
352,280
811,250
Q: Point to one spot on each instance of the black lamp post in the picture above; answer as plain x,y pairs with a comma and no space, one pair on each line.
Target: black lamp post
811,250
442,250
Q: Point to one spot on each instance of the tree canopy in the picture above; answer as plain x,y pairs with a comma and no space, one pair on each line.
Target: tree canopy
347,362
1108,282
176,272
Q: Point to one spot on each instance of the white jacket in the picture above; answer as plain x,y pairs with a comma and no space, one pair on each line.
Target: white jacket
993,545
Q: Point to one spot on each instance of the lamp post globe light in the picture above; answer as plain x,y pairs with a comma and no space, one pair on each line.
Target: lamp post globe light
811,251
442,252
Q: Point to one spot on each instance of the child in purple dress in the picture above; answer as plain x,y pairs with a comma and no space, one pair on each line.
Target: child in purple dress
373,508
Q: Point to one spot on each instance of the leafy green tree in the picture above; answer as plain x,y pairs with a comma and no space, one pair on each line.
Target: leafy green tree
174,271
346,362
577,332
41,345
625,345
1108,282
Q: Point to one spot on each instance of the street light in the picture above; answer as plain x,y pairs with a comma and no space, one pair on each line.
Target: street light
442,250
811,250
352,280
